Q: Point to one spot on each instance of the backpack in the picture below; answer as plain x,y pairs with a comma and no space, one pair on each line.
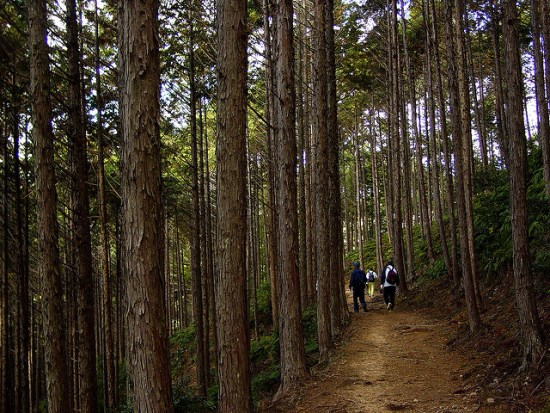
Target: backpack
392,276
371,277
359,281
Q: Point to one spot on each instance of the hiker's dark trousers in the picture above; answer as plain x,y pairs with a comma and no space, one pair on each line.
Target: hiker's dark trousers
389,295
359,293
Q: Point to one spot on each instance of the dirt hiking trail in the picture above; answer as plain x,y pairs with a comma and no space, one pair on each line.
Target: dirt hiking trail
389,361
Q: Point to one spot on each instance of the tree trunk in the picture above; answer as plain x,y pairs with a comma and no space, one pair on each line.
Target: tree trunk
231,296
540,91
405,190
429,14
338,305
302,159
358,186
424,210
6,367
22,276
394,157
500,113
449,186
81,222
271,162
530,325
322,182
46,195
57,381
142,207
477,110
376,200
208,236
109,381
465,141
310,156
456,104
206,281
252,235
544,9
293,365
196,268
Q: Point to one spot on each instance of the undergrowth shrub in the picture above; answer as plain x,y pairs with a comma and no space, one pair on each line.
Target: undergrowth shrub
436,270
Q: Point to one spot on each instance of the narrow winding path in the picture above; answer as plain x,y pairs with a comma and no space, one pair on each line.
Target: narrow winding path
390,361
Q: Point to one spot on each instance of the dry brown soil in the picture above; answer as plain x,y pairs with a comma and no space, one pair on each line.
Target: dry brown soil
390,361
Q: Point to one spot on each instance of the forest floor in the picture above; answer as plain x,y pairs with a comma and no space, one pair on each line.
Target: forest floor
410,359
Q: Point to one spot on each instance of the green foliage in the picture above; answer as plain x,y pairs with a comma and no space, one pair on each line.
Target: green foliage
125,408
183,355
263,311
184,340
265,349
539,214
492,220
492,228
189,402
309,323
436,270
420,247
264,383
369,254
264,298
265,356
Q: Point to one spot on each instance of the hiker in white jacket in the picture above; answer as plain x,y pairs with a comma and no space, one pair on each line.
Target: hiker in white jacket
389,280
371,277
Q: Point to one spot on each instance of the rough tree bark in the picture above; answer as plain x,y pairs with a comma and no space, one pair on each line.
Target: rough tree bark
530,326
82,238
109,376
456,127
394,157
293,363
231,296
322,180
57,381
196,268
142,208
540,91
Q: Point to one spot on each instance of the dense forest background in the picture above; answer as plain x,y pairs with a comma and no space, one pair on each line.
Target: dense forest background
185,185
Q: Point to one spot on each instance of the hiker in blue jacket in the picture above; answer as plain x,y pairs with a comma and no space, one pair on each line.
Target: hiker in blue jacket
389,280
357,282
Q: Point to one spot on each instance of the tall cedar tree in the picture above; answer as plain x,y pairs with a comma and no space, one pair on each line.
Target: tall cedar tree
293,359
82,237
395,156
196,268
464,150
456,126
55,355
142,206
270,110
109,372
530,325
322,181
5,370
234,393
338,306
540,91
23,383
